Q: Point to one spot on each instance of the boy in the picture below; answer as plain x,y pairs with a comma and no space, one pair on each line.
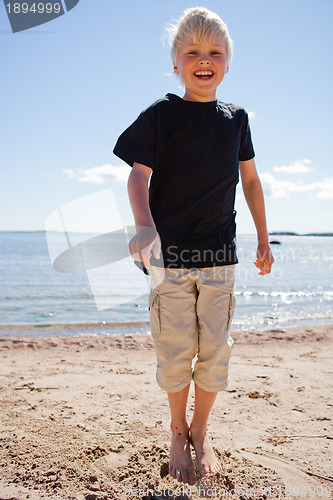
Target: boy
194,147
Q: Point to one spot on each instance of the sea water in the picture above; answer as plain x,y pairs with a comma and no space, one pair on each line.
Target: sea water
298,291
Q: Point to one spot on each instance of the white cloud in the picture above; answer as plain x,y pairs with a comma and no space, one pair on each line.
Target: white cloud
274,187
69,172
325,189
298,167
100,175
251,115
282,189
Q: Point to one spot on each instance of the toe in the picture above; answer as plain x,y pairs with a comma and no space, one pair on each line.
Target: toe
191,479
205,470
172,472
215,468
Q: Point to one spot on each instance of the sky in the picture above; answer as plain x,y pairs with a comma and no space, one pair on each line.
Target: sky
68,89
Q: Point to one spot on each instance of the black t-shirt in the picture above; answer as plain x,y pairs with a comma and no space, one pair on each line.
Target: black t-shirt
194,149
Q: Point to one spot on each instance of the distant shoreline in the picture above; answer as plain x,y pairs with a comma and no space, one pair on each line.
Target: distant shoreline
288,233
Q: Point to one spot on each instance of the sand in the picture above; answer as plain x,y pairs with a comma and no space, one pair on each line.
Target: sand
83,418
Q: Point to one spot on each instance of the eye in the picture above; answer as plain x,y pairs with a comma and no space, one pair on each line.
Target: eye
192,53
216,53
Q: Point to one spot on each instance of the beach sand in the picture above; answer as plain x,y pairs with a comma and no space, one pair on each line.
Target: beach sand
83,418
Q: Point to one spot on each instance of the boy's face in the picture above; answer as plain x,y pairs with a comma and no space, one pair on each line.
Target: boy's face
202,67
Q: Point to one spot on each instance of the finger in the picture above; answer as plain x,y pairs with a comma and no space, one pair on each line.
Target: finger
130,247
269,263
262,267
146,259
133,248
134,253
139,250
157,248
268,267
138,244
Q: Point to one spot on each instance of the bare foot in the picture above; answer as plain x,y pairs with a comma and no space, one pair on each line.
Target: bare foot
181,465
206,459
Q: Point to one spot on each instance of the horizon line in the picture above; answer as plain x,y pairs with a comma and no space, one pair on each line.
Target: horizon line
270,233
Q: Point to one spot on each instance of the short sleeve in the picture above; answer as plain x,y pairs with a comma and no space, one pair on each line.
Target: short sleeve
246,151
138,142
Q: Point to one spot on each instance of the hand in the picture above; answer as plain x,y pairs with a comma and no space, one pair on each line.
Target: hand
145,241
264,259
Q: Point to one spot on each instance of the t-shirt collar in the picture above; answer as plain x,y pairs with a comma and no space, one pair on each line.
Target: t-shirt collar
175,97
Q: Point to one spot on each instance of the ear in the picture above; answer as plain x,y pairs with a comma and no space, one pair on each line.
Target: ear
176,70
226,71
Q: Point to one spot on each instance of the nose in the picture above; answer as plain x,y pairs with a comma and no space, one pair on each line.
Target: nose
204,60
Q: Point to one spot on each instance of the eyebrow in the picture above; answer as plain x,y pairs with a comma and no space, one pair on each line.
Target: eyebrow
198,44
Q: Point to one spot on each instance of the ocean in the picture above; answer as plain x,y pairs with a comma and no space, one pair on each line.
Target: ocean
36,299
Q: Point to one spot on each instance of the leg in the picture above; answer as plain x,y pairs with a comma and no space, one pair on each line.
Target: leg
206,459
174,330
173,323
181,466
214,309
215,306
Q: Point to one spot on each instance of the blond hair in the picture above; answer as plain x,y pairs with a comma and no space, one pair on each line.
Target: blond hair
202,25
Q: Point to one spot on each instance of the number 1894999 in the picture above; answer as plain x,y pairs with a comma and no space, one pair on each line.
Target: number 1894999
35,8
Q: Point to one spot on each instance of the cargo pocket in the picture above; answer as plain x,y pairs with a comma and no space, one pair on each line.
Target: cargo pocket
154,309
232,305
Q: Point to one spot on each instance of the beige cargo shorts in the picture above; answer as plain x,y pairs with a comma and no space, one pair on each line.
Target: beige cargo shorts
190,315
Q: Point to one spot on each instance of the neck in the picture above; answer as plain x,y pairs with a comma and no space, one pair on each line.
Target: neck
192,96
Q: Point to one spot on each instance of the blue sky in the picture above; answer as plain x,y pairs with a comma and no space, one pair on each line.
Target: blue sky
68,89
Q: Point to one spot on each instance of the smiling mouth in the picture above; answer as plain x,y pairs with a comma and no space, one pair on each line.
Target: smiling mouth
204,75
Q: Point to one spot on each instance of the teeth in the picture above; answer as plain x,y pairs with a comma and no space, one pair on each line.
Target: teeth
203,73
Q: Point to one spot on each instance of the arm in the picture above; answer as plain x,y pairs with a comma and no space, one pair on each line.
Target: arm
255,199
146,238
